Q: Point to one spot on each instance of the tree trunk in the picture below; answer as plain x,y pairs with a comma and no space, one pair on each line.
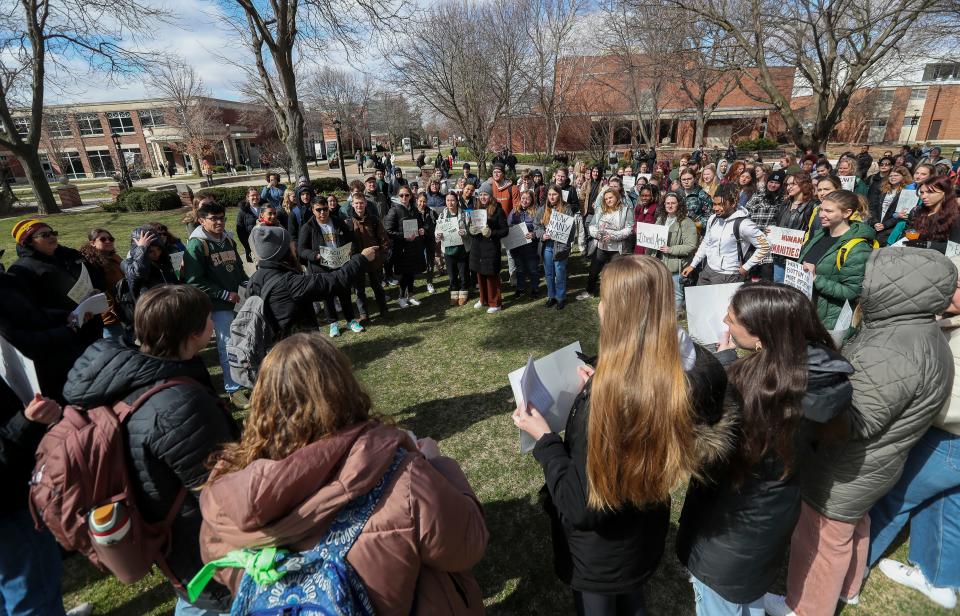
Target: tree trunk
30,159
7,199
294,143
700,125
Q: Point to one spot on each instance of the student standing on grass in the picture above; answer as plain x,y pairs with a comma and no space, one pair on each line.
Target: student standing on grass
738,515
212,264
368,231
408,253
485,252
101,257
903,370
650,415
612,224
455,256
429,230
526,258
556,254
681,240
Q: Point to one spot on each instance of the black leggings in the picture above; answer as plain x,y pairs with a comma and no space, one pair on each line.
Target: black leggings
600,258
406,284
624,604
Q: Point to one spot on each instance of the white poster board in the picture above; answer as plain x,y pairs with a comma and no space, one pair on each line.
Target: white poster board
645,176
652,236
558,373
559,227
566,195
785,242
410,227
516,237
478,220
82,288
953,249
629,181
18,371
839,331
334,258
906,202
848,182
449,228
93,305
798,278
706,308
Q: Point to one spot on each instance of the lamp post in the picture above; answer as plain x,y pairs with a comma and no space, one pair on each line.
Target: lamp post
343,168
124,172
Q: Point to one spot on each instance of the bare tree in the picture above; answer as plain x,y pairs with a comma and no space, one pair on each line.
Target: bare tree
339,94
467,69
194,117
835,47
42,43
55,127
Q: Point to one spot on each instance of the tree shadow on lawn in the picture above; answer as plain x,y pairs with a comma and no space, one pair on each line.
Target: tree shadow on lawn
446,417
363,351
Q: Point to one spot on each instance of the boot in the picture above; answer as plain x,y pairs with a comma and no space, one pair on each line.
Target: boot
462,299
454,297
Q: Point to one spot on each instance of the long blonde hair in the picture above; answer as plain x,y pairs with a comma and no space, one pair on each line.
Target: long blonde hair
603,200
640,433
547,209
286,200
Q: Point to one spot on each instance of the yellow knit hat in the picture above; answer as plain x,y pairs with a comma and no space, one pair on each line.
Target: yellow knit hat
24,229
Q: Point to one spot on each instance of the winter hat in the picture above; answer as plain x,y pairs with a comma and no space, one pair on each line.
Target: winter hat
486,188
536,173
777,176
499,166
270,243
24,230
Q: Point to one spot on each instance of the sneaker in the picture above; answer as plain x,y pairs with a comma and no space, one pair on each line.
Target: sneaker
776,605
355,326
493,309
584,295
334,330
430,288
550,303
854,600
561,304
413,301
403,302
912,577
478,305
84,609
392,282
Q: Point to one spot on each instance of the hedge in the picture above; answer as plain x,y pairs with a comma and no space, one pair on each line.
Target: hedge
143,200
328,185
227,196
758,144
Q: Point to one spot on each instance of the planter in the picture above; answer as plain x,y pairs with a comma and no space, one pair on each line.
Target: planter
69,196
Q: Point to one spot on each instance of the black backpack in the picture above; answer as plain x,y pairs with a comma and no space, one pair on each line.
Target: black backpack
124,302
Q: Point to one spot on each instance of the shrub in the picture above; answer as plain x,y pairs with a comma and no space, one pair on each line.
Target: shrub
219,169
757,144
143,200
323,186
145,175
240,167
227,196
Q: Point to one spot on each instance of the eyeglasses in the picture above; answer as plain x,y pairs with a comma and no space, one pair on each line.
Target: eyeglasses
45,234
402,195
105,238
216,218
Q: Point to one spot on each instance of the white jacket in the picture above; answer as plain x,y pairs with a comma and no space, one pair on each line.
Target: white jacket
618,226
719,246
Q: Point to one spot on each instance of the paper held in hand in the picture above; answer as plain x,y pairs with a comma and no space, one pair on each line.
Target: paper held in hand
334,258
906,201
645,176
555,378
652,236
478,220
449,228
785,242
82,288
706,308
798,278
18,372
629,181
410,227
516,237
848,182
176,261
559,227
953,249
93,305
566,195
839,331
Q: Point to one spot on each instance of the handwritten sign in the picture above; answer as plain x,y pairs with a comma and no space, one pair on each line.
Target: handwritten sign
785,242
516,237
629,182
844,321
848,182
410,227
559,227
176,262
449,229
706,307
82,289
798,278
953,249
652,236
478,220
906,202
334,258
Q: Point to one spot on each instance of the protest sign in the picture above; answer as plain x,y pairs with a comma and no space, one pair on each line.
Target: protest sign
848,182
516,237
410,227
798,278
785,242
18,372
82,288
953,249
645,176
478,220
555,379
652,236
906,201
629,181
449,228
176,260
839,331
706,308
335,257
559,227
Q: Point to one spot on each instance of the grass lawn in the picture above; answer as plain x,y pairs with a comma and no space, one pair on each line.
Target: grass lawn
441,372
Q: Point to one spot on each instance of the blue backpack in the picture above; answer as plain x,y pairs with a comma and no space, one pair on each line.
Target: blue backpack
317,582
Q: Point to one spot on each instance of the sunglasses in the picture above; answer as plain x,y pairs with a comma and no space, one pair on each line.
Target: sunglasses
216,218
105,238
45,234
402,195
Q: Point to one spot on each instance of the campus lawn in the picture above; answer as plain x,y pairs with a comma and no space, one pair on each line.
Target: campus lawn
440,371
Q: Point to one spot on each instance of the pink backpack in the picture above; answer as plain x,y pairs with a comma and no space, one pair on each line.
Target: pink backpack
81,491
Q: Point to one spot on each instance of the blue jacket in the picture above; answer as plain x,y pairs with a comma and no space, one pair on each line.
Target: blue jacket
273,195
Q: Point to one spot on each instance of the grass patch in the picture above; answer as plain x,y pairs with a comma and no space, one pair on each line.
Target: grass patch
441,372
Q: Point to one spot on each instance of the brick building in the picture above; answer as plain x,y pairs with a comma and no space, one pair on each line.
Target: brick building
81,134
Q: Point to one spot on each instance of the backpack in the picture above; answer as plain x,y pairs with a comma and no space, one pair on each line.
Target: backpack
81,491
736,235
318,582
251,336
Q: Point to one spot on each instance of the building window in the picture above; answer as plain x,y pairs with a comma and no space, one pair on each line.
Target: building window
59,127
878,128
941,72
89,124
120,122
918,95
150,118
911,121
73,166
885,97
22,126
101,163
132,157
934,131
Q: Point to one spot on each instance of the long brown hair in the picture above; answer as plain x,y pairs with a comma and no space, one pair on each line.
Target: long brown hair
547,210
603,200
935,227
305,391
640,433
905,175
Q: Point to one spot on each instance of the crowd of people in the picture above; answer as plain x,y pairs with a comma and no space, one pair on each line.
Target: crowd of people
829,452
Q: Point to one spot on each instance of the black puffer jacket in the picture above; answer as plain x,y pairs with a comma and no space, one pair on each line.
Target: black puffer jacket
48,279
141,273
408,257
19,438
169,438
615,552
311,239
733,538
485,252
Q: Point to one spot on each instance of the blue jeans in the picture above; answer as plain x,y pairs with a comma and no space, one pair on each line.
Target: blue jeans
113,331
221,325
528,273
556,274
709,603
30,568
677,292
183,608
779,271
928,497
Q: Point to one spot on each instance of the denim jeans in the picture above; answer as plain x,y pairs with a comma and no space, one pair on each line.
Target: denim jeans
30,568
677,292
928,497
221,326
183,608
779,271
555,273
528,273
709,603
113,331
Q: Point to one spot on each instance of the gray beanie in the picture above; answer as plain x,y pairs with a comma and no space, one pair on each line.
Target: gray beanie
270,243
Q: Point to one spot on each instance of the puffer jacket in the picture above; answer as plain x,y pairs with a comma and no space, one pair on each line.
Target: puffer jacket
142,274
485,252
681,244
48,279
408,256
168,439
616,225
903,371
416,550
733,538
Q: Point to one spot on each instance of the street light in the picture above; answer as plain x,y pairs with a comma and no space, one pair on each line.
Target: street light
343,168
125,181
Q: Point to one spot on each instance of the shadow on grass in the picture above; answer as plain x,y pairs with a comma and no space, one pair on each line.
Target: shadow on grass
445,417
143,602
78,573
363,351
